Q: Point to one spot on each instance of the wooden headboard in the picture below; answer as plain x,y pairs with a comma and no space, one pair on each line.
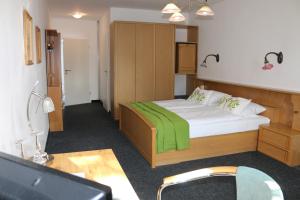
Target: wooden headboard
282,107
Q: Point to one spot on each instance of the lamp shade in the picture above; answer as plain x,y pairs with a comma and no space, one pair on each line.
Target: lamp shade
170,8
177,17
48,105
205,10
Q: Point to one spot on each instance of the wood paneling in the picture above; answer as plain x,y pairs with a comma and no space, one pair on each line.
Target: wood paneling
145,62
280,100
164,61
124,61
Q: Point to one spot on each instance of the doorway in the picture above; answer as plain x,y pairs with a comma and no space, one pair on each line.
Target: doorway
76,71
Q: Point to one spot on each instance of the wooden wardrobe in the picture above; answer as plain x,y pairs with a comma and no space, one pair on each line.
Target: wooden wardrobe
143,62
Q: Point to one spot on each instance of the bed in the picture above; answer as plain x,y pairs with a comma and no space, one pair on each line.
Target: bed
234,135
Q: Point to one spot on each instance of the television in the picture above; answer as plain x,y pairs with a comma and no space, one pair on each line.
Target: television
22,179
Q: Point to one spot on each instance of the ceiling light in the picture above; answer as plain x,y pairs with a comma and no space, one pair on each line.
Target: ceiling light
177,17
205,10
78,15
170,8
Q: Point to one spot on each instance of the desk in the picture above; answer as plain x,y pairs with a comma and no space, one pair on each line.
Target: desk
101,166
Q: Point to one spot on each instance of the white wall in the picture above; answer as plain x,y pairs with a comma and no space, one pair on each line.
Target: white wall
104,54
17,79
242,32
82,29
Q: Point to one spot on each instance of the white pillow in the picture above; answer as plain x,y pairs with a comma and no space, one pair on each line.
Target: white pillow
236,104
200,96
223,101
215,97
253,109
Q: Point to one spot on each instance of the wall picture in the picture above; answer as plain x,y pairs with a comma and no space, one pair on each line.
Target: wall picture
38,43
28,38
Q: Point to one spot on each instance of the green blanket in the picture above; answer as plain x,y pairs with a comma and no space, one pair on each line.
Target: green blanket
172,132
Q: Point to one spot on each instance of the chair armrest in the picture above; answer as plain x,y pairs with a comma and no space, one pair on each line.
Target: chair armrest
200,174
196,175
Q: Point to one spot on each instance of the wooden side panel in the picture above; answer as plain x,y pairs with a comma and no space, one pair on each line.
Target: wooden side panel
191,84
56,117
186,56
212,146
164,61
193,34
296,110
124,65
140,132
145,62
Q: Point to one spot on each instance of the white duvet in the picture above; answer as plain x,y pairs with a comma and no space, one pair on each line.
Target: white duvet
211,120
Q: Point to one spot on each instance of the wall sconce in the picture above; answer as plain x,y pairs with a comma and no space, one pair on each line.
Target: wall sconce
39,156
210,55
268,65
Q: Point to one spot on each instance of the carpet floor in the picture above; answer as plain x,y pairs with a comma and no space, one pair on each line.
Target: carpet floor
89,127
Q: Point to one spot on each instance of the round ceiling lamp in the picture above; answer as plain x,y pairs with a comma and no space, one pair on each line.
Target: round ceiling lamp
177,17
78,15
205,10
170,8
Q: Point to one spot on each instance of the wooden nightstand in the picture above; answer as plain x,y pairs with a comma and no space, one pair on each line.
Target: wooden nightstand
280,142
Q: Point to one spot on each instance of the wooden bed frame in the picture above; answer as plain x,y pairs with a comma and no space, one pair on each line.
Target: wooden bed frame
142,133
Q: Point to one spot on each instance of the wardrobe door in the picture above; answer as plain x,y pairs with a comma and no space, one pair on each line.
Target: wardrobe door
164,61
124,64
145,62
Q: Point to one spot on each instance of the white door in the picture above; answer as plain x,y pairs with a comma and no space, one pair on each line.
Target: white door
76,65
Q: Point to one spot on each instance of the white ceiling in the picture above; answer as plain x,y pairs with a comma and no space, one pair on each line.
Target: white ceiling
95,8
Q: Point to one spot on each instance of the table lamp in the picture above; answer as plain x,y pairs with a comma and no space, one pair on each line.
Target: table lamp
39,156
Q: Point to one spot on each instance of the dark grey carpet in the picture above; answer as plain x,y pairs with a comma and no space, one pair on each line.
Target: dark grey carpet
89,127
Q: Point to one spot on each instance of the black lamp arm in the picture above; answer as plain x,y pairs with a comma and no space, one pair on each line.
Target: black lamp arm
212,55
279,57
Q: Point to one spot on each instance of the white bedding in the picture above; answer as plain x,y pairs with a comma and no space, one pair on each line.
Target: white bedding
210,120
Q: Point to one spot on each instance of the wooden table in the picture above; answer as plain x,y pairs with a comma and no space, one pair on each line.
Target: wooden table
101,166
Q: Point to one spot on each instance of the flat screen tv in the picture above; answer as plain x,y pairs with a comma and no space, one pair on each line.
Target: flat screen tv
21,179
